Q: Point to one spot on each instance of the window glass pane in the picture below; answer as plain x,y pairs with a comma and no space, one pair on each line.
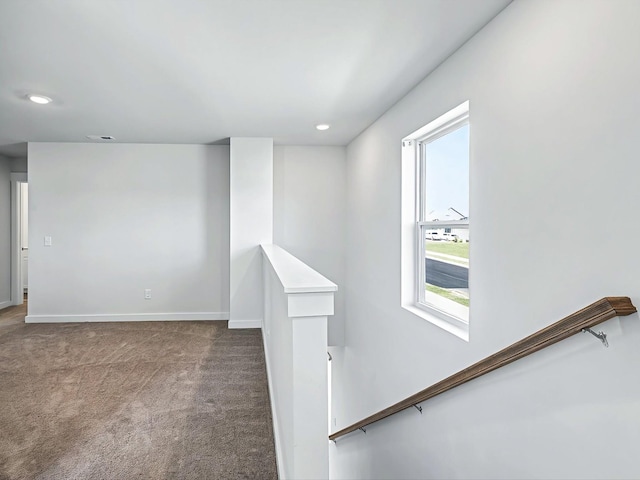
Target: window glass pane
446,249
447,176
446,271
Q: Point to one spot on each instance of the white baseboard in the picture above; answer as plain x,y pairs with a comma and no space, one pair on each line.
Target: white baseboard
128,317
245,323
274,416
6,304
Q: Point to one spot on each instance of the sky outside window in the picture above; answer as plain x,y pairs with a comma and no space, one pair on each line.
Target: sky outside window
447,172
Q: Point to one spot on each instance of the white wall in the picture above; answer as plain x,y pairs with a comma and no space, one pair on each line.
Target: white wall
251,224
553,91
19,164
123,218
5,232
309,219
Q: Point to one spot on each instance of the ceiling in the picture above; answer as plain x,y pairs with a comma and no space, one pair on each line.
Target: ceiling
200,71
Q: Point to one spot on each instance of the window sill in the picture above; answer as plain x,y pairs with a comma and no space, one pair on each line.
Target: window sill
441,320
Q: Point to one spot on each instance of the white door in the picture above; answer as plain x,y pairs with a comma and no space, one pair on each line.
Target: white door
24,234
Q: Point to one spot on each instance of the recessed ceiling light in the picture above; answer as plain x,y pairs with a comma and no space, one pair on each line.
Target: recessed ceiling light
40,99
323,126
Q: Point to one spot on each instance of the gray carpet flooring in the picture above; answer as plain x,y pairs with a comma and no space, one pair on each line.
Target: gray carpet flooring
147,400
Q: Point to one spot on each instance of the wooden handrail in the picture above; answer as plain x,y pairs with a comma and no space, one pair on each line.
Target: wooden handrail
598,312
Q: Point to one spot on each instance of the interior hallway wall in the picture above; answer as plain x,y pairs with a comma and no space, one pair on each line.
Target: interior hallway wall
5,231
124,218
553,91
309,198
19,164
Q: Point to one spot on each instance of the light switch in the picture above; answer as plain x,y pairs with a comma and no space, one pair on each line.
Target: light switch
47,241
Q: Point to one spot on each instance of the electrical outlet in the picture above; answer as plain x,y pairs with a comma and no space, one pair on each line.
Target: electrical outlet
147,294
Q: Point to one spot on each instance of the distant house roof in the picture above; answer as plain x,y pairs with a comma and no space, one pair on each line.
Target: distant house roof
448,215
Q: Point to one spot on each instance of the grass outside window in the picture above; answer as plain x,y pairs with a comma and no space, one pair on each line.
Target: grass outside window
459,249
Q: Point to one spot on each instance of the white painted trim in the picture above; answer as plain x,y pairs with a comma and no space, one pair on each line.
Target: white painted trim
294,275
442,320
274,413
442,125
5,304
245,324
128,317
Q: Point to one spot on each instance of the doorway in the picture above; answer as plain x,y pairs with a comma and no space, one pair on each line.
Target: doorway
19,238
24,236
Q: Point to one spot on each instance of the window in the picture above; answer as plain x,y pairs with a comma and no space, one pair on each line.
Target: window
438,156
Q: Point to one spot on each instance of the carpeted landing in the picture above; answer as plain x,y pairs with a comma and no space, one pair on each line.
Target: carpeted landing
152,400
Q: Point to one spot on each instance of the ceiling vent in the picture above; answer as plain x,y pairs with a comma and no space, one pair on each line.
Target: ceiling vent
103,138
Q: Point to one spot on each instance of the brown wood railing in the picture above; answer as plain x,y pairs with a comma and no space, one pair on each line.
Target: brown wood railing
598,312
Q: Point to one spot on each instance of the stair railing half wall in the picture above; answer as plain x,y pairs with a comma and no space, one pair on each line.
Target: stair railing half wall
297,303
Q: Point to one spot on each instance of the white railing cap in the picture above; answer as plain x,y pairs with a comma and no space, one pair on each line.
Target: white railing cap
295,275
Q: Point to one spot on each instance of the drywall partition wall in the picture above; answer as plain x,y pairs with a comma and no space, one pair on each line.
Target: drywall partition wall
553,115
123,218
297,302
5,232
19,164
251,223
309,214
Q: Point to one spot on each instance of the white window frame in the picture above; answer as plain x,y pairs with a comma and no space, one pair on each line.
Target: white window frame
440,311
